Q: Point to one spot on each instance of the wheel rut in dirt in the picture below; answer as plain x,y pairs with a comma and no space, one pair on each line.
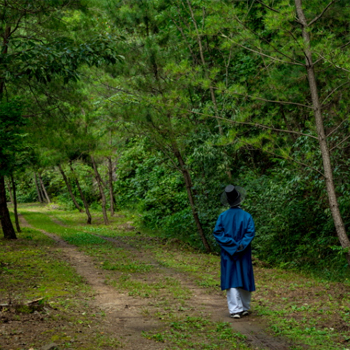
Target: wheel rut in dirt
213,303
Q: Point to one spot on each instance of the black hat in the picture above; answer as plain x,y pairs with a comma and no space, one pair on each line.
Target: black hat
233,196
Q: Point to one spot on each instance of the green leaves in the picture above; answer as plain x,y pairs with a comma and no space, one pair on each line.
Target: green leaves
12,137
60,58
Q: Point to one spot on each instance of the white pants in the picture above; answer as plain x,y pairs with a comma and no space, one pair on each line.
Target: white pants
238,300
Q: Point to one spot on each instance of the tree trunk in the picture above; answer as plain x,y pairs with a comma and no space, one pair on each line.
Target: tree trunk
69,187
15,204
9,191
110,178
41,191
37,189
44,189
327,166
103,197
6,224
188,183
86,205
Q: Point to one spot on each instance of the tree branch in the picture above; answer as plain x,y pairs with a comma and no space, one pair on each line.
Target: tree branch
262,126
270,8
296,161
333,64
185,39
17,24
322,13
36,114
273,101
334,90
334,130
263,39
339,143
262,54
287,158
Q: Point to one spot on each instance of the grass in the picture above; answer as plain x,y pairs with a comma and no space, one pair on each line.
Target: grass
199,333
203,268
30,268
312,311
155,288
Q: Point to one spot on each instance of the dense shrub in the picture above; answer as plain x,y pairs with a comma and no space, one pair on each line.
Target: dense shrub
290,209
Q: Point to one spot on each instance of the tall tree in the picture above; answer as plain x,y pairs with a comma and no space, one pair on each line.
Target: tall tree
69,187
10,190
11,142
83,198
100,188
319,122
110,184
40,198
44,189
15,204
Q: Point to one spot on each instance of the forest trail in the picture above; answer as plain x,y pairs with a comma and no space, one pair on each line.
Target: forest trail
122,317
152,108
127,317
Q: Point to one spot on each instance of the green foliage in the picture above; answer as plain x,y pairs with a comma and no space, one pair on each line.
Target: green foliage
60,58
25,189
145,181
12,134
294,228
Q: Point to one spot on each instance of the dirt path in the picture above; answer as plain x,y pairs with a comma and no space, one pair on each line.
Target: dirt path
124,313
123,317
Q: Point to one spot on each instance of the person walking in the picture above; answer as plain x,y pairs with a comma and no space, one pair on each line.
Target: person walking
234,232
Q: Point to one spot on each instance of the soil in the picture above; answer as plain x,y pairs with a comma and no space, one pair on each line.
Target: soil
123,313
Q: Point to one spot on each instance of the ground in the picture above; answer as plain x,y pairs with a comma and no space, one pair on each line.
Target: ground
68,285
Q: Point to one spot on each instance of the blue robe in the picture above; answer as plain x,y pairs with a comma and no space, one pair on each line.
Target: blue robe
234,232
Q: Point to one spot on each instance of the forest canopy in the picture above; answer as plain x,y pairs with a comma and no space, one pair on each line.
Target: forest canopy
155,106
